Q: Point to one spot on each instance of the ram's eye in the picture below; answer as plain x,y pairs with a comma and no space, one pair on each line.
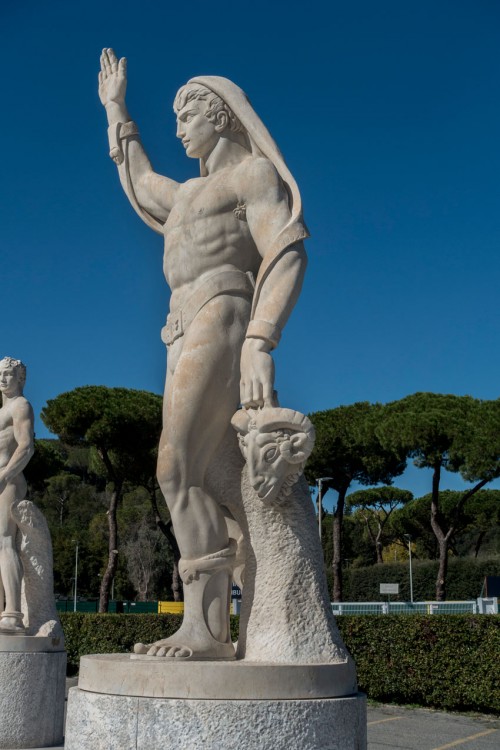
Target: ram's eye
270,454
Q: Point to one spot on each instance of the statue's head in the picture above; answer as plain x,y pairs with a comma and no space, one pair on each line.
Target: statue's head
276,443
12,375
202,117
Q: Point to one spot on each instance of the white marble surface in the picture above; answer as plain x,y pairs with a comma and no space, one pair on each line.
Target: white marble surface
147,676
234,260
106,722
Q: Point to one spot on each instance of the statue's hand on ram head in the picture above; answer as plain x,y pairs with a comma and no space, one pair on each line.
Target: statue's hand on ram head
276,444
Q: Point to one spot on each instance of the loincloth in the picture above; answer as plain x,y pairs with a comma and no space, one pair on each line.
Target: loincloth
223,282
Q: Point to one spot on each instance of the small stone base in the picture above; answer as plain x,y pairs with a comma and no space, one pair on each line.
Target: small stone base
30,643
32,689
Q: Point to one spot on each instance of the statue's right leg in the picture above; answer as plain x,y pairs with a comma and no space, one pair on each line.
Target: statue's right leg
11,619
202,393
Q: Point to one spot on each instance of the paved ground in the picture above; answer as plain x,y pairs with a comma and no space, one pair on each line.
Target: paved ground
395,728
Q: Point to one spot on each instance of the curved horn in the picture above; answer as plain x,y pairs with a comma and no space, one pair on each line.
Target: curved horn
240,421
276,418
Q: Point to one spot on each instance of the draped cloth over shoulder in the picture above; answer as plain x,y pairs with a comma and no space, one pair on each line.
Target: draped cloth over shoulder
262,144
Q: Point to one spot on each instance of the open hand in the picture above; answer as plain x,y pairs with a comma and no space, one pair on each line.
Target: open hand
112,78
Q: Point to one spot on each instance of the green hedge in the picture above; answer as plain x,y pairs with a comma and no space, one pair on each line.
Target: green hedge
464,581
440,661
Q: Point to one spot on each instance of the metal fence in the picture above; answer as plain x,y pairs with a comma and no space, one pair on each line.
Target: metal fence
479,606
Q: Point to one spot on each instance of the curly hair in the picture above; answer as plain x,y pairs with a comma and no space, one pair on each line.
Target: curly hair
215,104
17,365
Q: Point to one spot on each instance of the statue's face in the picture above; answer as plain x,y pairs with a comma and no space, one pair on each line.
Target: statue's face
9,381
267,468
199,136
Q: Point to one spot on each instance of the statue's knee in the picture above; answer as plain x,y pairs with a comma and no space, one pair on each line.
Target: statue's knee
168,471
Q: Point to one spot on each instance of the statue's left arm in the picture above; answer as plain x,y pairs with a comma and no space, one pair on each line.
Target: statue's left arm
267,214
23,422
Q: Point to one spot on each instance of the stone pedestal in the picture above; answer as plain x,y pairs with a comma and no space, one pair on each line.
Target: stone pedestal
153,704
32,689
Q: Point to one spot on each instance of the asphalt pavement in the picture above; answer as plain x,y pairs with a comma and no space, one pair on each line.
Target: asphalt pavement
397,728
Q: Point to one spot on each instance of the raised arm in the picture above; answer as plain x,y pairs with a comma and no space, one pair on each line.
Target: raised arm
23,421
143,186
267,214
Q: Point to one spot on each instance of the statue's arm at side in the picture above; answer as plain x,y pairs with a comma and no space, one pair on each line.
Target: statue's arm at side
267,214
23,423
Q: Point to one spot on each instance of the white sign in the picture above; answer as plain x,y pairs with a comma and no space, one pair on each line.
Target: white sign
389,588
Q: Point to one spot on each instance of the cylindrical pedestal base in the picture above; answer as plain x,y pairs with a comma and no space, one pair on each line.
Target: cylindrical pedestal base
123,704
32,688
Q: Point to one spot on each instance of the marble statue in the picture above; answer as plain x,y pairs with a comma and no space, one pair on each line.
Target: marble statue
32,656
16,449
232,477
26,580
234,260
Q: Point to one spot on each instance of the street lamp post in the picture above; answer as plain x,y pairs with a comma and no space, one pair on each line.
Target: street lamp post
76,573
320,506
408,536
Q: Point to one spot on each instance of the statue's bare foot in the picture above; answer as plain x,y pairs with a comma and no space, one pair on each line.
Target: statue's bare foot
11,623
178,647
156,649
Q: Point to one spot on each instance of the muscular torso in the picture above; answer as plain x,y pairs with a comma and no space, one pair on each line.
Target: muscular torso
203,234
8,442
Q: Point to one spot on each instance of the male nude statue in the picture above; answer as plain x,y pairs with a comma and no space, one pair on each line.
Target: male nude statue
16,449
234,261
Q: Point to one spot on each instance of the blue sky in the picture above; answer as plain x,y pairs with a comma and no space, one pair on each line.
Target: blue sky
389,117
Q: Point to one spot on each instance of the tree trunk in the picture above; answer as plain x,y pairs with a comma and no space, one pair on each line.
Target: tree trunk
110,571
177,590
441,537
442,570
338,518
479,542
437,527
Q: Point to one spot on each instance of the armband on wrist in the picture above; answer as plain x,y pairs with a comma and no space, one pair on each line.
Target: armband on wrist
261,329
116,134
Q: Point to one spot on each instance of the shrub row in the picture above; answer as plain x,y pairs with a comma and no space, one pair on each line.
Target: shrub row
464,581
441,661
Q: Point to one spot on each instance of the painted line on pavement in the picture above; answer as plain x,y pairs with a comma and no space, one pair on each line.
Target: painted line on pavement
382,721
465,739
